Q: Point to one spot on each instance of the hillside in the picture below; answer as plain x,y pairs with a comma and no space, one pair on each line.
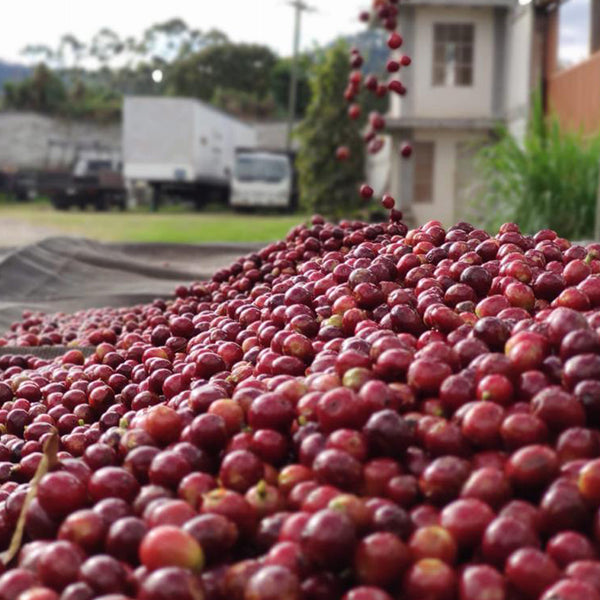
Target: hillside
12,72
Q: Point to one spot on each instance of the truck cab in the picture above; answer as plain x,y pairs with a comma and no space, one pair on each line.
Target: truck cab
263,179
95,180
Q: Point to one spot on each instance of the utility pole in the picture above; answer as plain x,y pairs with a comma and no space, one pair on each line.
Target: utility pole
299,6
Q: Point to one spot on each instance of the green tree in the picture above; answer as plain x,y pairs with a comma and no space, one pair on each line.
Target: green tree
38,53
242,67
43,92
71,51
327,185
201,64
173,39
105,46
550,180
246,105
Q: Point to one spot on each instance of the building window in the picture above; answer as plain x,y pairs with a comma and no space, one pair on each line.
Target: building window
453,54
423,165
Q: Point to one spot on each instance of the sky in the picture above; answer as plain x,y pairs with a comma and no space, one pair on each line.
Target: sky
269,22
264,21
574,31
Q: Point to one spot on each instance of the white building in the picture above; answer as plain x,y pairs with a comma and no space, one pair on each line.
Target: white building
474,65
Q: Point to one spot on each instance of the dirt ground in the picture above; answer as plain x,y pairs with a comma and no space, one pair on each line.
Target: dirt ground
14,232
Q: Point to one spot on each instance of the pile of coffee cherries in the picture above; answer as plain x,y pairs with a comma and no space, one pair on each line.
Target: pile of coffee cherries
357,412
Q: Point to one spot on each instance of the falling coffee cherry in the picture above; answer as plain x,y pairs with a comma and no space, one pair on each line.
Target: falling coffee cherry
406,150
385,14
388,202
371,83
355,78
375,145
397,87
395,215
381,90
357,61
377,121
395,40
342,153
354,111
366,191
391,23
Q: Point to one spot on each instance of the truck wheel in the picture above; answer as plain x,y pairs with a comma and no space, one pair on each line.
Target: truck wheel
200,195
292,207
60,203
246,210
101,203
155,198
224,196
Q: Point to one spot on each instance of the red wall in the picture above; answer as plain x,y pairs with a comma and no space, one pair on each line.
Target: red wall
574,95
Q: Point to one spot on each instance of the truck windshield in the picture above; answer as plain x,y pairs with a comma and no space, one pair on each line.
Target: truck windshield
256,168
95,166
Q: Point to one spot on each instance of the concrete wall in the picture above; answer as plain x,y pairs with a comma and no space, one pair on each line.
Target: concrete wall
518,69
378,167
447,179
404,105
24,137
274,135
460,101
446,206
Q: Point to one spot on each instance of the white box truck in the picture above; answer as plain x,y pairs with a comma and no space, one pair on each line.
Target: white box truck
181,147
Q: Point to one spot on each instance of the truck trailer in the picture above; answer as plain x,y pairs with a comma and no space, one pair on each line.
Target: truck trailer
181,147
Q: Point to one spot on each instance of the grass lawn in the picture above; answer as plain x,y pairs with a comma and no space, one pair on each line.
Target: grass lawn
172,225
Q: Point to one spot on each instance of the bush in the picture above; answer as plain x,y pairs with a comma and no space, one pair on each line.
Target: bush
550,181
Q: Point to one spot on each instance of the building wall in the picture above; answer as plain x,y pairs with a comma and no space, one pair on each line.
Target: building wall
378,167
454,102
451,198
518,69
274,135
24,137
